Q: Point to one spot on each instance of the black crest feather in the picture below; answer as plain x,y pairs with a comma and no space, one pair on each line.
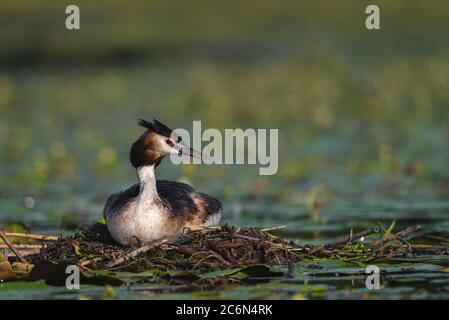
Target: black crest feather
156,127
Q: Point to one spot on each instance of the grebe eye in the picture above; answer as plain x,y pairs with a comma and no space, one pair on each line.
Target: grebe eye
169,142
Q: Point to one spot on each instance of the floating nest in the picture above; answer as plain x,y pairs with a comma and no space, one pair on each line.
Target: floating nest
183,261
221,248
207,250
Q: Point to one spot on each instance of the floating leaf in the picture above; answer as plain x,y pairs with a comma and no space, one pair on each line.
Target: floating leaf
256,271
55,274
185,275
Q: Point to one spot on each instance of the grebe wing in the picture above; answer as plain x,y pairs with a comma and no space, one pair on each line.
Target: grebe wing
165,185
120,199
182,199
179,198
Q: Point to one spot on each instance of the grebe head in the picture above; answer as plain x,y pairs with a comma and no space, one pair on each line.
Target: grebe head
157,142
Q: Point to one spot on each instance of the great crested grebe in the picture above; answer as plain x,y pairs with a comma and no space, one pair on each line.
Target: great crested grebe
153,209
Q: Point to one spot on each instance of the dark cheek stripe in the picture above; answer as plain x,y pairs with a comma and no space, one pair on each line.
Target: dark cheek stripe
144,152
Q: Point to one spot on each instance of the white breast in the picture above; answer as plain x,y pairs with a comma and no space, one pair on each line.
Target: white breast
141,218
132,223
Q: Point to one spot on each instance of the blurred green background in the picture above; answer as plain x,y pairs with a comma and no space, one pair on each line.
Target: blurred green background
362,115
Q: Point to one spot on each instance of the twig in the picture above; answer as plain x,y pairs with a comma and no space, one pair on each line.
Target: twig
348,239
409,246
246,237
405,232
17,253
278,245
24,253
220,257
351,233
272,228
400,234
31,236
203,259
85,263
23,246
135,253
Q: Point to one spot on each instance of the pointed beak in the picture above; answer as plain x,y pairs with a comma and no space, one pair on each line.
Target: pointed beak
185,150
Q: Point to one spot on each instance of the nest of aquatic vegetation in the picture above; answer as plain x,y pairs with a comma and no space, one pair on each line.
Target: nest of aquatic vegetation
221,248
206,250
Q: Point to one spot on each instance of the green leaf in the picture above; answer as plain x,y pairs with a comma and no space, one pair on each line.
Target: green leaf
101,220
19,227
256,271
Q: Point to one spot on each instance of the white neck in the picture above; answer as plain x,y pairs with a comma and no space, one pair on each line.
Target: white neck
148,191
147,218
